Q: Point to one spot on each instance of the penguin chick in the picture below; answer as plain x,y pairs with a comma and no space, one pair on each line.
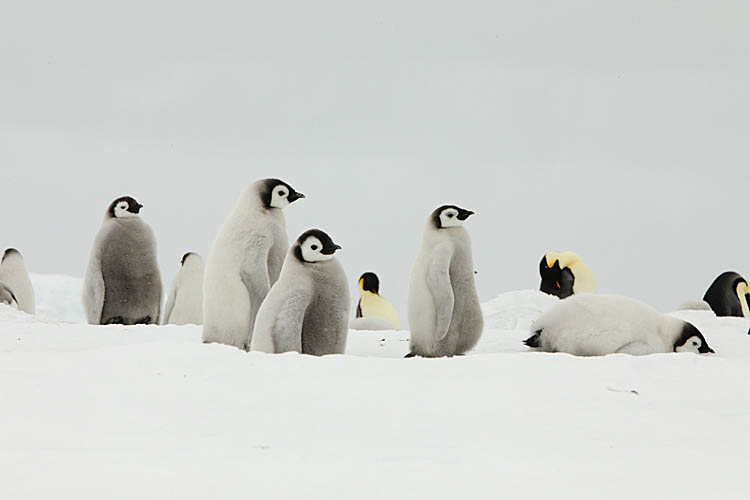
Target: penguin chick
564,273
123,282
7,296
445,317
373,305
245,261
306,310
185,300
597,325
15,276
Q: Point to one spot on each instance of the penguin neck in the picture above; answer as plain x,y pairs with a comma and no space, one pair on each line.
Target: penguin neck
670,330
740,291
366,294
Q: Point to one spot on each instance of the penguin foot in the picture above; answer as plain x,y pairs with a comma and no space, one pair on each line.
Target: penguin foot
144,321
410,355
116,320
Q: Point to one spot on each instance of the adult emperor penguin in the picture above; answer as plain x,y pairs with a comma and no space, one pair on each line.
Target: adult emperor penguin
373,307
307,309
7,296
123,283
185,300
564,274
15,276
596,325
245,261
729,295
445,318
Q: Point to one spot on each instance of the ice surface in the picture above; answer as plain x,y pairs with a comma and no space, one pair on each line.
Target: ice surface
151,412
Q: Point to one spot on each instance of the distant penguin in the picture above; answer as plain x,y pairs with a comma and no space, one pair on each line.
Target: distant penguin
373,305
307,309
564,274
245,261
7,297
123,283
185,300
15,276
445,318
729,295
597,325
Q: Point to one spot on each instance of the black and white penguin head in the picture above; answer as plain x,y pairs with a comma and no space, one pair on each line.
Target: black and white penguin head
315,246
556,281
124,207
276,193
691,340
450,216
369,282
11,253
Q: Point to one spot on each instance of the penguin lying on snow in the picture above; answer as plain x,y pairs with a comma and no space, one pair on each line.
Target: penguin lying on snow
445,318
729,295
374,312
564,274
185,300
307,309
15,276
597,325
123,283
245,261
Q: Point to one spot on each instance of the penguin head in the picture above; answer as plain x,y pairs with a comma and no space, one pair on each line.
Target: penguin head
124,207
276,193
450,216
369,282
691,340
315,246
556,280
11,253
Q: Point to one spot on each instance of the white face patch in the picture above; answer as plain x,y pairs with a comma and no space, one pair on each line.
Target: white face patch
121,210
449,218
280,196
692,345
311,250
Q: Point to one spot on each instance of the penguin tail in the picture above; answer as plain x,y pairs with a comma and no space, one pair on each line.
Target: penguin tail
534,340
410,355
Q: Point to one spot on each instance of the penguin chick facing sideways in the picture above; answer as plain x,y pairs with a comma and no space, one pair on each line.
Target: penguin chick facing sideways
185,300
123,282
245,261
729,295
15,276
373,307
564,274
307,309
445,318
597,325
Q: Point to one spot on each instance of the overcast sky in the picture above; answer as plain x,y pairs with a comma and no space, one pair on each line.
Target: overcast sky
619,130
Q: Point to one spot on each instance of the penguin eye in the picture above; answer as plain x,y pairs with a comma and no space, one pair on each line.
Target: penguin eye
314,247
450,216
695,343
282,193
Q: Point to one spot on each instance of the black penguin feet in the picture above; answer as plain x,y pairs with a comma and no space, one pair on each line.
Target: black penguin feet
116,320
144,321
410,355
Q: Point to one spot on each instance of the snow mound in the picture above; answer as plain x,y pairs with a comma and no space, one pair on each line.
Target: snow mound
516,310
58,297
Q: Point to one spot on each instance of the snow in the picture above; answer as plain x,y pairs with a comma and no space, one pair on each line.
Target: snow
151,412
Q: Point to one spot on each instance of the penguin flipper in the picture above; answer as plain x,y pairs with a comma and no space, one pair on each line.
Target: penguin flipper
279,324
439,283
637,348
169,306
93,290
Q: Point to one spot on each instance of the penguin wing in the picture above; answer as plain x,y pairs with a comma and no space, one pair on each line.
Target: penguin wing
93,289
280,319
636,348
171,298
439,282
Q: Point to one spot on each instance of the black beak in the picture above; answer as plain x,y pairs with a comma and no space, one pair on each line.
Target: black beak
704,349
137,208
464,214
294,196
330,250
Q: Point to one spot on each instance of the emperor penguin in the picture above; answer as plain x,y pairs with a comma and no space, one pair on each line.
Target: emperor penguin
245,261
372,306
185,299
597,325
15,276
729,295
7,296
445,318
123,283
307,309
564,274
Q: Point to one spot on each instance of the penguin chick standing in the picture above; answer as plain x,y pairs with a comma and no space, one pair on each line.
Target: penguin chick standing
123,282
564,274
444,313
15,276
185,300
373,305
245,261
597,325
729,295
307,309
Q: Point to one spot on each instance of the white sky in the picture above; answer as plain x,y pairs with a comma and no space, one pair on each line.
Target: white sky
619,130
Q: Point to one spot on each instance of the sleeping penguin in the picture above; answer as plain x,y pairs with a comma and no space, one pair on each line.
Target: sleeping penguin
729,295
373,311
564,274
